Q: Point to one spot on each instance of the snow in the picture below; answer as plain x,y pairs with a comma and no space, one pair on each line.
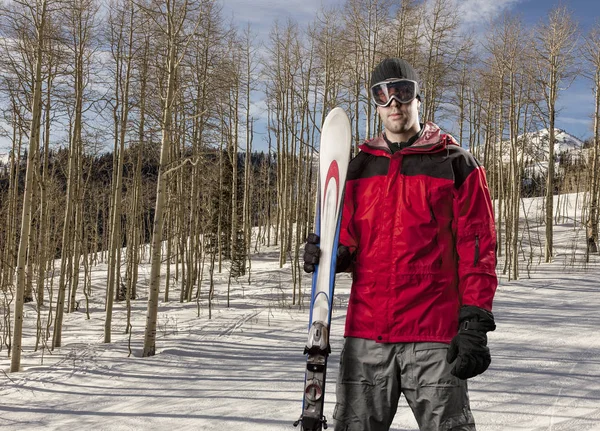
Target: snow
243,369
536,148
564,141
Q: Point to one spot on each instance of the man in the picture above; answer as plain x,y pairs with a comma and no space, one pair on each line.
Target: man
418,236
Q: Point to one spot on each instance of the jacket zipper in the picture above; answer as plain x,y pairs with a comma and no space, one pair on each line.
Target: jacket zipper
476,250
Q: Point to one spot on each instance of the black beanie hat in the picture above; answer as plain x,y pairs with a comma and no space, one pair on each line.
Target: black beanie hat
393,68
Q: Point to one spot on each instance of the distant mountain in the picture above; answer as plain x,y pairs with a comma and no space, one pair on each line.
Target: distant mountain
536,146
563,143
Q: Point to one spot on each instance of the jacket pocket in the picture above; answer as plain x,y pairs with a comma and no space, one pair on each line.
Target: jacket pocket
431,368
472,244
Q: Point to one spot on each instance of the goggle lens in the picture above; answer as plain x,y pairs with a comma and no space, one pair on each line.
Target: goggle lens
403,90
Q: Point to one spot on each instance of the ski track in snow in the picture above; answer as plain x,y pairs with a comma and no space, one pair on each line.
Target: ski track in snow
243,369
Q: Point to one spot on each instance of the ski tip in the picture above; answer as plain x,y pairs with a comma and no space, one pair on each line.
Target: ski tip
336,114
336,128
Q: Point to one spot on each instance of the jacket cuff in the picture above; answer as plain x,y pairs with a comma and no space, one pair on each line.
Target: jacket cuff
472,317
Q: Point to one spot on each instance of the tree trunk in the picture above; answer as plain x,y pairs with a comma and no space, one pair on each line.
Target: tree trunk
30,184
161,189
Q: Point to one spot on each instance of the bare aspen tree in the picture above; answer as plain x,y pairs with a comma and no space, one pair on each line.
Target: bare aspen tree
173,179
328,83
44,254
172,20
476,117
134,199
591,55
497,129
15,66
220,204
440,27
364,26
205,53
301,175
497,44
236,247
281,70
306,172
135,238
121,24
180,205
32,248
506,46
249,83
555,41
38,15
82,33
486,85
291,81
518,112
408,31
329,59
134,232
14,167
79,22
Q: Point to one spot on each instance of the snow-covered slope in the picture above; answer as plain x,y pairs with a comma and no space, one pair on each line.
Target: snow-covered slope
243,369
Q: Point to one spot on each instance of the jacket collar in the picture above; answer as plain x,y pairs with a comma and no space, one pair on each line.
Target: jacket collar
431,140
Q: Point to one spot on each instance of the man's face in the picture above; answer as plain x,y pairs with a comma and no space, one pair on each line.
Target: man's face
400,120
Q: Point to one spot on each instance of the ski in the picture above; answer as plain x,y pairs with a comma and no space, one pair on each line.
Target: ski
334,156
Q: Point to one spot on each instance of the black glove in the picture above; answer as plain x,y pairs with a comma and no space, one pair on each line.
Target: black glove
312,253
469,346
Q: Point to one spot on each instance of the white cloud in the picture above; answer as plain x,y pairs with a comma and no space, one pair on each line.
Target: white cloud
477,12
261,14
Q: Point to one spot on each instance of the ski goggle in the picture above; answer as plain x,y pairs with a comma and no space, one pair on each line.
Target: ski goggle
403,90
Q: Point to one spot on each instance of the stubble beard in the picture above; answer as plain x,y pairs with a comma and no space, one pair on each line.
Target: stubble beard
398,124
403,123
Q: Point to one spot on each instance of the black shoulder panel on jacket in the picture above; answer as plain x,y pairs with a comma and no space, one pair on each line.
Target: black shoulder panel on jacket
463,163
435,165
367,165
453,163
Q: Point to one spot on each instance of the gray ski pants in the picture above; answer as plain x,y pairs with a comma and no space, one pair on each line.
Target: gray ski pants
373,375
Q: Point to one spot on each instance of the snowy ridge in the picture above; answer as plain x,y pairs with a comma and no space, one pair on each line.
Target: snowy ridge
536,145
564,142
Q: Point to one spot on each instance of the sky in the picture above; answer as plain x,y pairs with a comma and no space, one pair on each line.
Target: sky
243,369
576,104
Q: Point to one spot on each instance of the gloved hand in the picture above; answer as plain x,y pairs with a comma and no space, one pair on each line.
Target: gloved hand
312,253
469,346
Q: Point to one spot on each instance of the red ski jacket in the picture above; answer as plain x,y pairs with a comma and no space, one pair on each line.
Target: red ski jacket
421,225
